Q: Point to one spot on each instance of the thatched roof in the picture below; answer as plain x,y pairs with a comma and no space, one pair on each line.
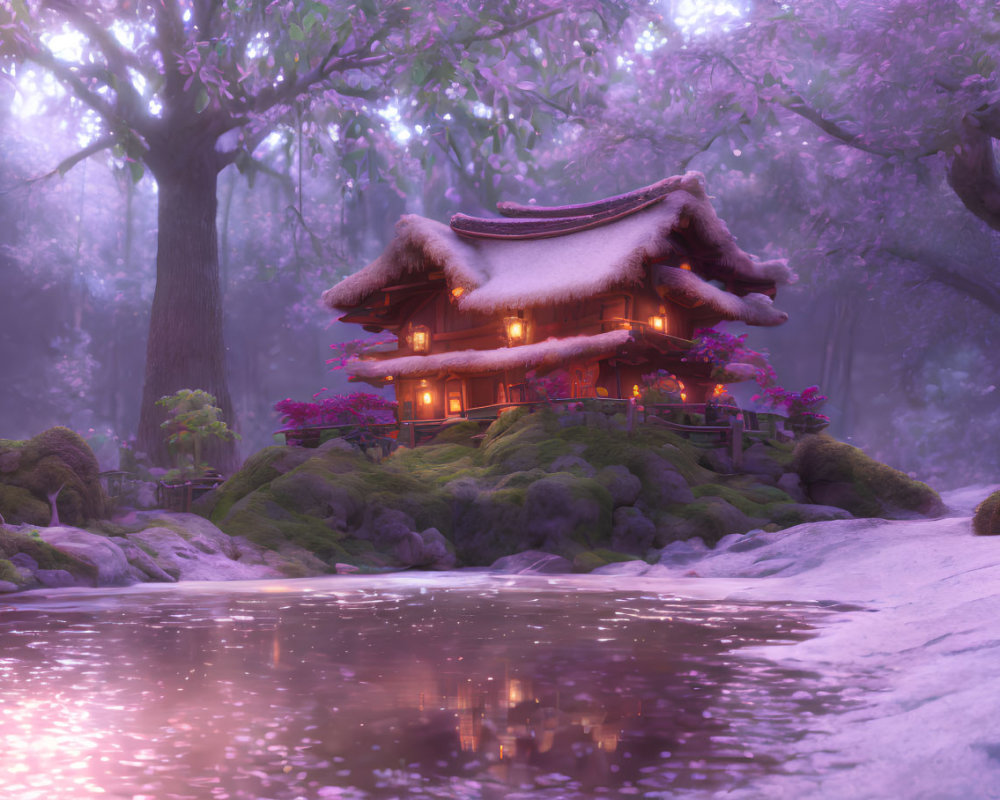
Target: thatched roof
499,273
541,354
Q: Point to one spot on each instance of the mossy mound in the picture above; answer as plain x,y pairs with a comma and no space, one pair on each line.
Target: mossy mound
837,474
574,483
986,521
30,470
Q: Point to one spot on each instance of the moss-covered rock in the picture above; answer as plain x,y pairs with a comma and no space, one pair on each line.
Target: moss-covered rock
589,560
57,457
18,505
45,555
10,573
562,508
258,470
488,525
837,474
711,517
632,531
986,521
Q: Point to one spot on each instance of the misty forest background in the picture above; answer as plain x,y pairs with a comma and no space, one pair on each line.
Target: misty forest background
854,138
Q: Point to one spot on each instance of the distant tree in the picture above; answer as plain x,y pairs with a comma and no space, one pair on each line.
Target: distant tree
184,88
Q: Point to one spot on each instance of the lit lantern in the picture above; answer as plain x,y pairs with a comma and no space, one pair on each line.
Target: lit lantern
515,330
457,292
719,390
635,390
420,339
658,322
686,266
426,398
454,404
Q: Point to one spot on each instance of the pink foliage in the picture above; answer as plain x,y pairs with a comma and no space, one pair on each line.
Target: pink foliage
359,408
719,349
553,386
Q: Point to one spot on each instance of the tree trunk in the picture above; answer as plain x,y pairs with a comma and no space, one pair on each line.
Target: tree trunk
185,349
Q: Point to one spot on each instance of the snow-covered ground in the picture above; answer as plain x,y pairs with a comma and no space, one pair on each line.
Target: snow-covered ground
925,647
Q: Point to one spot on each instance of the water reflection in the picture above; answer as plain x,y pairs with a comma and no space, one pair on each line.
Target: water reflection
333,688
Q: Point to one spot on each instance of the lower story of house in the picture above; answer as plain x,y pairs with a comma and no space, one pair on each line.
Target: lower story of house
616,365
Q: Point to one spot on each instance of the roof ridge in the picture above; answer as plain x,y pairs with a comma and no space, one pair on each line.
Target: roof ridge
637,197
545,227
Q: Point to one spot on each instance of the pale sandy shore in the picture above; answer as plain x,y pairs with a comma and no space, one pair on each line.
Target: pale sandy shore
924,654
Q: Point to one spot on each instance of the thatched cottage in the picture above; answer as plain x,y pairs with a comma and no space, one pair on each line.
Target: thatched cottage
608,291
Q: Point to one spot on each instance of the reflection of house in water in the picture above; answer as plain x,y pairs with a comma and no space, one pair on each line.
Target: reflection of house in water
504,719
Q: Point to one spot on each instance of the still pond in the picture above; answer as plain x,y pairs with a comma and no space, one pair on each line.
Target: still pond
402,686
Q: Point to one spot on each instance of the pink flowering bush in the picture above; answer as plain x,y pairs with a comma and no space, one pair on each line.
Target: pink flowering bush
553,386
800,406
719,349
359,408
660,387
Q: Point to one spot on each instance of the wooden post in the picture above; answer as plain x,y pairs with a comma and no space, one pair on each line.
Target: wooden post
736,440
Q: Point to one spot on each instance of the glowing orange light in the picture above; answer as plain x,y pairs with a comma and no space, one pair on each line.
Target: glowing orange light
421,337
454,405
635,390
657,324
426,398
684,397
458,291
686,266
515,329
719,390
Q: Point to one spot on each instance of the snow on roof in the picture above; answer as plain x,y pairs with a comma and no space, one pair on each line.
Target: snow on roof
498,273
753,308
549,352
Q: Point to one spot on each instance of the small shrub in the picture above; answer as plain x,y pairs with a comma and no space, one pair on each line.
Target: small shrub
192,420
986,521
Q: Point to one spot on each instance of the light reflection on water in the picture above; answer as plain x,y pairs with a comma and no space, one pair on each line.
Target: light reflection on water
392,687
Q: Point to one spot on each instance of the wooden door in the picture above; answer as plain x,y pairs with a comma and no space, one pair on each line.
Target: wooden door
583,379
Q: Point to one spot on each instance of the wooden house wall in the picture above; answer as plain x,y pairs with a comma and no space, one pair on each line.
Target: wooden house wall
452,329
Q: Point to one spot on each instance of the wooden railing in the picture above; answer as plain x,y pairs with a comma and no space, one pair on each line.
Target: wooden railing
684,419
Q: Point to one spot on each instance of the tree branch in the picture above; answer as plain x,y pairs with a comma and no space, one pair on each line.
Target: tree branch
271,96
984,293
973,175
794,103
68,163
128,102
506,30
44,57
